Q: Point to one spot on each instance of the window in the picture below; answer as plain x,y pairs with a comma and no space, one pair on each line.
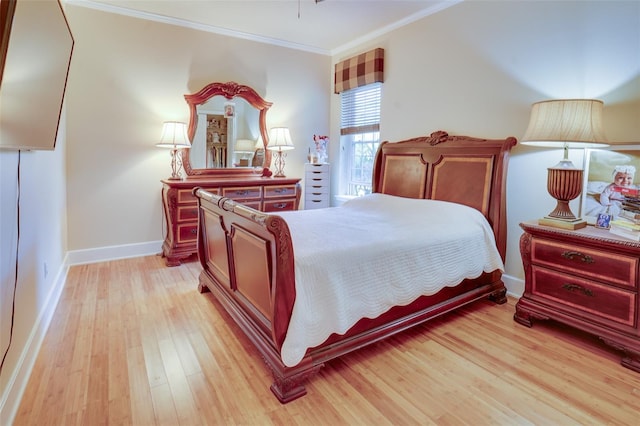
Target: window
360,136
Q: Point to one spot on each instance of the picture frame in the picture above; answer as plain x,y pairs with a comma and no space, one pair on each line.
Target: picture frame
603,221
229,110
599,174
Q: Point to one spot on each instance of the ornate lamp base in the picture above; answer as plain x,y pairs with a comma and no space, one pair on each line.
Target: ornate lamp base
564,183
279,163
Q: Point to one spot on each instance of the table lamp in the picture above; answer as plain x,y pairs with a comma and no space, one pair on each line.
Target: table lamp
565,123
279,141
174,136
244,147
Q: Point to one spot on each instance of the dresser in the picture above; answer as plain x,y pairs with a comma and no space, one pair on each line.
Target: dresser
181,208
587,279
317,185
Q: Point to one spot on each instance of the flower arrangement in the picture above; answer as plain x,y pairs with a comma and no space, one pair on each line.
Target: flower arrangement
321,143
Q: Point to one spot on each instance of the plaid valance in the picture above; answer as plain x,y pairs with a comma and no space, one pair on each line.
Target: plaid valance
359,70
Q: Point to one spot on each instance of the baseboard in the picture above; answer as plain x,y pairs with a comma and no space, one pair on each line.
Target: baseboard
10,401
18,381
105,254
515,286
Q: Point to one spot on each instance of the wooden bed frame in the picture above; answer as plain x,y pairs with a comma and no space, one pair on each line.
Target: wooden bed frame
248,261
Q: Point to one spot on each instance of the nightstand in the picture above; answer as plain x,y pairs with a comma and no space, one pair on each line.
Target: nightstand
587,279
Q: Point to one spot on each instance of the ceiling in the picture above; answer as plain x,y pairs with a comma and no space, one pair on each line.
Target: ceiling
327,27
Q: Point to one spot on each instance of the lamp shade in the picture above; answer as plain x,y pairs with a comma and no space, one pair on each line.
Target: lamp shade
244,145
280,139
174,135
576,123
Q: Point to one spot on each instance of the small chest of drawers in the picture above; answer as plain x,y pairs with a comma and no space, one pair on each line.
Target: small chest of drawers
587,279
181,207
316,186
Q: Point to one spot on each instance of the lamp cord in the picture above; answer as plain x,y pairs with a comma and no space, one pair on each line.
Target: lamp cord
15,279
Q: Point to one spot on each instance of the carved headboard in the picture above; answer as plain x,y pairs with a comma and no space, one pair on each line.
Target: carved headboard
460,169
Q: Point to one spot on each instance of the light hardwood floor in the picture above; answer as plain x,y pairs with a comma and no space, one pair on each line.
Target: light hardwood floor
133,342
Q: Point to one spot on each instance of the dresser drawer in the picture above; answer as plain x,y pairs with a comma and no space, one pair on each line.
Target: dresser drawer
185,196
187,213
187,233
598,300
316,168
253,204
316,180
316,203
242,193
610,267
316,193
278,205
279,191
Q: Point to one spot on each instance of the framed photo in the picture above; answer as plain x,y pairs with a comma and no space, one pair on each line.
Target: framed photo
603,221
229,110
609,174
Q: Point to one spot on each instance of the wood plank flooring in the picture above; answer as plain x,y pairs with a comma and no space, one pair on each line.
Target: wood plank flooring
132,342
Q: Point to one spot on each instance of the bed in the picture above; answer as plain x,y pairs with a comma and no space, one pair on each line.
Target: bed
263,270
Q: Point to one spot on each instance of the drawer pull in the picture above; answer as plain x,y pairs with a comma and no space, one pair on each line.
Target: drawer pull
280,205
245,192
576,287
585,258
194,231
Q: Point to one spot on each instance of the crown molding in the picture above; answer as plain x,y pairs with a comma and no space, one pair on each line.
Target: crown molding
401,23
103,7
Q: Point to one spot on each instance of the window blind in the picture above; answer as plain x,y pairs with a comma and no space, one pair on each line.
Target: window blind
360,112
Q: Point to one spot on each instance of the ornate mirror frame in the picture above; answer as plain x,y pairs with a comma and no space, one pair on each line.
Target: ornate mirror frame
229,90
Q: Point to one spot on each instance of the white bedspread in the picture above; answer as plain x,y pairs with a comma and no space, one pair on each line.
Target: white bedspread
373,253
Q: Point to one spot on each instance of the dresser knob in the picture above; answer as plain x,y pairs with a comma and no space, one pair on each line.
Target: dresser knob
585,258
280,205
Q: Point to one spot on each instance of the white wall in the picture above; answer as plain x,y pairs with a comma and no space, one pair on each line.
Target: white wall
475,68
33,184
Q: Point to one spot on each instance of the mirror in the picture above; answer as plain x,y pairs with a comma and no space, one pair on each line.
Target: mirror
227,131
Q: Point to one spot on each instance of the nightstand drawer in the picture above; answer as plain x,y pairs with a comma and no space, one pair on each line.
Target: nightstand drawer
242,193
606,266
600,301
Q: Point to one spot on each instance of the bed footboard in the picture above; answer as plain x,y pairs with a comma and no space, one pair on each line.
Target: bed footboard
244,253
247,263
